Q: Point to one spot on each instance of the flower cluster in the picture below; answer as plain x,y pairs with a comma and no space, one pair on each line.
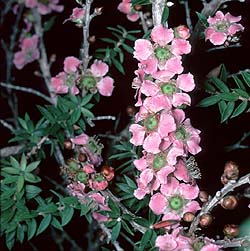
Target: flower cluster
29,52
72,78
222,28
126,7
44,7
84,181
162,129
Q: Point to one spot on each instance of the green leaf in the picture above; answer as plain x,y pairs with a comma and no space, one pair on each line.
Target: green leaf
46,114
114,208
239,82
23,162
116,231
165,15
86,99
32,191
220,84
10,239
127,48
126,227
55,223
44,223
87,113
241,93
227,96
202,18
48,24
32,166
20,183
10,170
118,65
209,87
223,73
209,101
67,215
240,109
22,122
130,182
32,225
228,111
31,178
14,162
145,239
75,116
246,77
108,40
222,107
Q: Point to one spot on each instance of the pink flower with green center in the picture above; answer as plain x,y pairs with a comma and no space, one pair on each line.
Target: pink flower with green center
160,54
155,128
29,52
175,197
221,27
185,136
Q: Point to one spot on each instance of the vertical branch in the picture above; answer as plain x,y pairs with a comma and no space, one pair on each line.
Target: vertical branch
143,22
85,42
157,11
188,18
43,61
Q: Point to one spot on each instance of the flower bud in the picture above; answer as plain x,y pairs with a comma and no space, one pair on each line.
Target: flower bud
82,157
91,39
182,31
68,144
108,172
98,10
231,170
205,220
72,163
229,202
138,7
231,230
188,217
203,196
224,179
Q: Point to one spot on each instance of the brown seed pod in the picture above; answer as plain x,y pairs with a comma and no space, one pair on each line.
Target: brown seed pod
91,39
108,172
205,220
203,196
229,202
165,223
188,217
231,230
231,170
82,157
68,144
138,7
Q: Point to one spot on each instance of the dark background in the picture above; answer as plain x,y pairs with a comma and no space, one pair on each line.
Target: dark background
65,39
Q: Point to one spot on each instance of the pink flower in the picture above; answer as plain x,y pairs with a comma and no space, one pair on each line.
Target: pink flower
102,205
210,247
81,139
71,64
126,7
182,31
29,52
63,83
221,27
77,13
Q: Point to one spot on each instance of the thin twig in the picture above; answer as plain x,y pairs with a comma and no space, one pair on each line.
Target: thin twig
157,11
238,144
7,125
143,22
188,18
222,47
37,147
107,193
10,151
229,187
109,237
26,89
236,242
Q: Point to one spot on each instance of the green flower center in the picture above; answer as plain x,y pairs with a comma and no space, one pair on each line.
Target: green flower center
82,177
176,202
95,146
88,82
222,26
168,88
159,162
181,133
162,53
151,122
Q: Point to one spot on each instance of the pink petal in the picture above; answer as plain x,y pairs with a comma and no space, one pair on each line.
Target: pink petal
140,193
235,28
146,176
218,17
193,144
174,65
71,64
157,203
175,151
179,116
166,124
185,82
149,66
166,242
162,35
143,49
105,86
162,174
231,18
133,17
152,142
81,139
180,99
157,103
149,88
138,134
171,187
99,68
192,207
140,164
189,192
181,172
180,47
218,38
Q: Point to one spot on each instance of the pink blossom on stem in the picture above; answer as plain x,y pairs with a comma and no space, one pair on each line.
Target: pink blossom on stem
221,27
126,7
71,64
